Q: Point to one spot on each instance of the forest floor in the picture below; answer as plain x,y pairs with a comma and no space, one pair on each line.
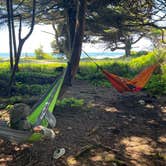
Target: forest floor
111,129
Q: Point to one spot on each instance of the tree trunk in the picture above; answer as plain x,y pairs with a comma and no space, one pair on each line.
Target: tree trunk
13,31
56,34
71,21
8,6
20,45
77,45
15,68
127,48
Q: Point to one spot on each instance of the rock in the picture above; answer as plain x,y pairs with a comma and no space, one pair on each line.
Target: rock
18,116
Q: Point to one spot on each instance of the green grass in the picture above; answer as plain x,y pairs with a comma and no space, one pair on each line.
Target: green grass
35,74
70,103
44,66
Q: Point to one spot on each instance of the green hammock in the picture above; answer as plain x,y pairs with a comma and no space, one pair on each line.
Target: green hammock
41,115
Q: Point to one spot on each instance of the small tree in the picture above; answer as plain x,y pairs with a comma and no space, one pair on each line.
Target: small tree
21,40
39,52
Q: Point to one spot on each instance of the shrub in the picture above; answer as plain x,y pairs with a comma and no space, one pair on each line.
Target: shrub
35,89
39,53
20,88
35,78
157,85
70,103
139,53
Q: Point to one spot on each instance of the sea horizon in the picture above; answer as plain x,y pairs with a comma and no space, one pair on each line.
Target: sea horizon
97,55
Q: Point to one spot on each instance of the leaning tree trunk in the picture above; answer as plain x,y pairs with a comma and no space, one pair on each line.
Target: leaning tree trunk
76,46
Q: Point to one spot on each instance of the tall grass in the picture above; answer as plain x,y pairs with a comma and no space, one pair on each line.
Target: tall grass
43,67
35,66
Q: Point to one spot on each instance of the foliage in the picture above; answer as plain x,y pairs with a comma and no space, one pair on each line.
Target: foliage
70,103
34,66
35,78
30,100
4,66
155,35
157,84
34,89
9,107
40,54
29,78
120,28
139,53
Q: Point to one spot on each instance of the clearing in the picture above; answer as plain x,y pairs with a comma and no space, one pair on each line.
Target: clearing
111,129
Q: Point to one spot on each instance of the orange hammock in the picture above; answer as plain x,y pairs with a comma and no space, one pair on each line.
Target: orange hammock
134,85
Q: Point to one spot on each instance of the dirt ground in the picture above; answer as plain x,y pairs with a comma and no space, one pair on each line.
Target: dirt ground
111,129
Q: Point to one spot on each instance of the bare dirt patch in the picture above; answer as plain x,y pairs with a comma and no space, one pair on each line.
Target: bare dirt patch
111,129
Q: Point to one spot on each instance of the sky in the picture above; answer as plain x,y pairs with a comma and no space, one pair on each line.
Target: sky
40,38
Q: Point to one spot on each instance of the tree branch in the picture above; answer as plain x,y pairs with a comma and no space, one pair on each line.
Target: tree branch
163,33
32,22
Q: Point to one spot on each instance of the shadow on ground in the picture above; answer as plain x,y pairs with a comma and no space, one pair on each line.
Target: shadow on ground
110,130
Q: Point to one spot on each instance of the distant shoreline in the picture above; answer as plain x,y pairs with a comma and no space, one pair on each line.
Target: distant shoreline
96,55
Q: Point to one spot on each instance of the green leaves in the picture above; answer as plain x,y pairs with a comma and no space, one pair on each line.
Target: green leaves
70,103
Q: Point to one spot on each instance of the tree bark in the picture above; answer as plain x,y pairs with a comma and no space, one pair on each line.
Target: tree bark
13,31
71,12
128,48
15,67
20,45
8,6
77,45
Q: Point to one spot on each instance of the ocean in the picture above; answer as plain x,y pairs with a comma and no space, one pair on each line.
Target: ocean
97,55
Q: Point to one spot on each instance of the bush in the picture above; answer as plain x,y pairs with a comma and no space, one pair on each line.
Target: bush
157,85
25,89
70,103
41,55
139,53
35,78
35,90
20,88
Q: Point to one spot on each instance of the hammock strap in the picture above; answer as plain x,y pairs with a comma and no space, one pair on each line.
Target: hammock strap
92,60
